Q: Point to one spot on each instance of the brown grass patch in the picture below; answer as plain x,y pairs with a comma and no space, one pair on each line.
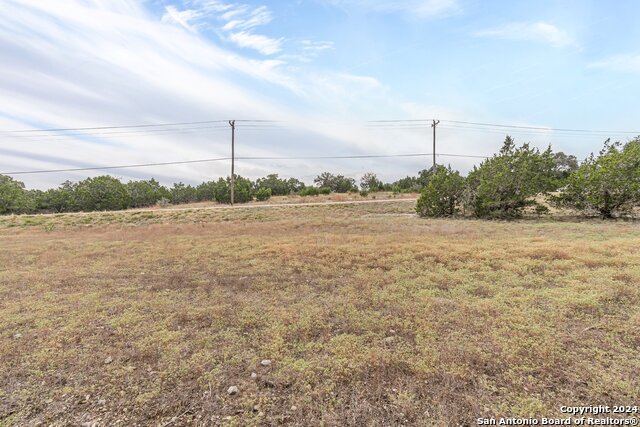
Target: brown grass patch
370,316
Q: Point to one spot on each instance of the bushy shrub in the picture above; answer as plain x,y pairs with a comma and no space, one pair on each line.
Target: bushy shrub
295,185
206,191
102,193
146,193
504,185
13,197
364,193
309,191
242,190
608,185
181,193
370,182
441,197
335,183
324,190
263,194
278,186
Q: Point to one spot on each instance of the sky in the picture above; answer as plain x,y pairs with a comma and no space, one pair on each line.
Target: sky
325,71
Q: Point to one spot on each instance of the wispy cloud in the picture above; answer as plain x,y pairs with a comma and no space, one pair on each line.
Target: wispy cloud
234,22
185,18
79,64
622,62
263,44
422,9
540,31
251,19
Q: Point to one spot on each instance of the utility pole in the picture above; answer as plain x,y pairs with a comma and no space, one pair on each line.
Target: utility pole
433,125
232,123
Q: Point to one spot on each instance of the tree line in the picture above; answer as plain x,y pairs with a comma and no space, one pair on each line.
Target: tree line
518,179
108,193
504,186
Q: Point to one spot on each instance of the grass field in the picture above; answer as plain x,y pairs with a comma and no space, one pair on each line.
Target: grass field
368,314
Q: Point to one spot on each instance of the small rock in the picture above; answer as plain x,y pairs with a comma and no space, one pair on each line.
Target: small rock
256,408
389,340
232,390
90,424
261,414
108,360
17,335
102,402
228,418
294,408
392,331
266,362
254,375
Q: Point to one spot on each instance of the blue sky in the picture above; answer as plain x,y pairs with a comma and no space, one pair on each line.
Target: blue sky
323,67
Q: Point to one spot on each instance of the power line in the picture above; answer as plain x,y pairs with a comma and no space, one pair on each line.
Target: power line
134,126
541,128
393,123
115,167
524,132
356,156
119,134
135,133
400,121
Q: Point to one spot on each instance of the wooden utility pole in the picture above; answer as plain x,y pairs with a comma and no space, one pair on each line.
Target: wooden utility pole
232,123
433,125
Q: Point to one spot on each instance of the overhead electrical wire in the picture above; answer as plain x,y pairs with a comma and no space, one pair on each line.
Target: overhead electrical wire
355,156
548,129
119,134
137,126
139,130
371,123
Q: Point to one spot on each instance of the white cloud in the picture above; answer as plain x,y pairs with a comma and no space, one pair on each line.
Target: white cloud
264,45
185,17
80,64
422,9
622,62
314,47
239,22
255,18
540,31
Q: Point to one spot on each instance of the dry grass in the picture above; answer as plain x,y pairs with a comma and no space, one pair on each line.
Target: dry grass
370,315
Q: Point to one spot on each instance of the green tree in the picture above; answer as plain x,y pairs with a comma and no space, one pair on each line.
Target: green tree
564,165
242,190
61,199
370,182
504,185
336,183
441,197
278,187
146,193
206,191
423,177
409,183
181,193
608,184
263,193
13,197
325,179
342,184
295,185
101,193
